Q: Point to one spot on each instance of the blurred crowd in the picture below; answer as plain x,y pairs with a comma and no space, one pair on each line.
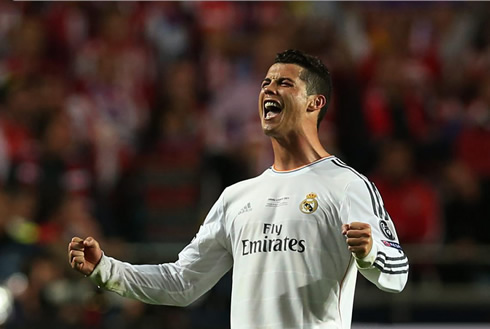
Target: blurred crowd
125,120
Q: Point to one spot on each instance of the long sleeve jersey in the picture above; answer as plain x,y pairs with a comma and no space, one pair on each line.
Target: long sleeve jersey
281,233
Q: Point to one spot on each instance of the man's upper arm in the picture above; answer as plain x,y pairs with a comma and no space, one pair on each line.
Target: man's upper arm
200,266
386,265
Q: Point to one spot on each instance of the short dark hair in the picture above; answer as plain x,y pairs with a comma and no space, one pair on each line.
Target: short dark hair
315,74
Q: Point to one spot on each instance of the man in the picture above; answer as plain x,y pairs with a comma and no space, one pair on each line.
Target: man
295,235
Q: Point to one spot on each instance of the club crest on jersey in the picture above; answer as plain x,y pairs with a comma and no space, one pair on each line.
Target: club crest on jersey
310,204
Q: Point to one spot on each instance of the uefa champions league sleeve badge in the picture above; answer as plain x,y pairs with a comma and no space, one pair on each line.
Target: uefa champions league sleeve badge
310,204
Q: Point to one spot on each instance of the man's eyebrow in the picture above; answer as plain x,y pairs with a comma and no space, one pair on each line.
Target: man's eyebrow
280,79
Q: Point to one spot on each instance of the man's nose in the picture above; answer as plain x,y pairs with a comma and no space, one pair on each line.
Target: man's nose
270,89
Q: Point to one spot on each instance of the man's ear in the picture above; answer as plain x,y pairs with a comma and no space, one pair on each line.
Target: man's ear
316,102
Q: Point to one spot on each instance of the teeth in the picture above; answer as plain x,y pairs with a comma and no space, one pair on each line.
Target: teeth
268,104
271,109
272,104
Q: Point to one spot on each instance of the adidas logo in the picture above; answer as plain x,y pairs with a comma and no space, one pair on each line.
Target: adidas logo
246,208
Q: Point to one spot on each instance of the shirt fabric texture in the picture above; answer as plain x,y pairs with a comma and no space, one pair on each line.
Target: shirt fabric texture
281,233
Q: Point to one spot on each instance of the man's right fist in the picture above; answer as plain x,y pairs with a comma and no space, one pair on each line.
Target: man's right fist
84,254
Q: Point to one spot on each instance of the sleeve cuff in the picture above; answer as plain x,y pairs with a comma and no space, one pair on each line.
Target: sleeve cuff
368,260
100,273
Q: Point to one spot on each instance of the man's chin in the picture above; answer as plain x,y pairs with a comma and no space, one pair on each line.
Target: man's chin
272,128
267,129
270,132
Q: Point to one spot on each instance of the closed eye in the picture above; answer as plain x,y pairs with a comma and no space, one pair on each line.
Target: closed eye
265,83
285,82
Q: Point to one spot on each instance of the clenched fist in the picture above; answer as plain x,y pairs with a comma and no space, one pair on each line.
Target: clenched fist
84,254
359,239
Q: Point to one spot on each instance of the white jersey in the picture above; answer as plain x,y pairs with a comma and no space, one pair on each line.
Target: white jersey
281,233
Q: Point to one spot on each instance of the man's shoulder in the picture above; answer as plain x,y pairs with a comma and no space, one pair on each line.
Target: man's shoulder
243,185
341,173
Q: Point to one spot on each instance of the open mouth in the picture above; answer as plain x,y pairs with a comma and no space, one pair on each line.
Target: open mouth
271,109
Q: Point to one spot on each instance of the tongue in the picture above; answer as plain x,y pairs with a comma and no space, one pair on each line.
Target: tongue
271,114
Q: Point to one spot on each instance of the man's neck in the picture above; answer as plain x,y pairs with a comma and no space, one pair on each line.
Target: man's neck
292,153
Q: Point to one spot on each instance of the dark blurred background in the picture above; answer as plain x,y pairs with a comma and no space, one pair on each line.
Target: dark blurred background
125,121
